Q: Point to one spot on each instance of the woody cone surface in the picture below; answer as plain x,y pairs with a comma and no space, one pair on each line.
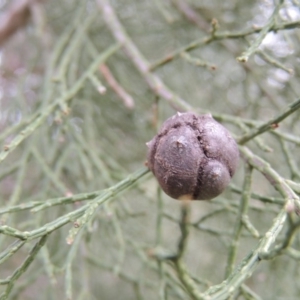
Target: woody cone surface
193,157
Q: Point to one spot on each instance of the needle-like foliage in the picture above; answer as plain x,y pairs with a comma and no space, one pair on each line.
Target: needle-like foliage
84,84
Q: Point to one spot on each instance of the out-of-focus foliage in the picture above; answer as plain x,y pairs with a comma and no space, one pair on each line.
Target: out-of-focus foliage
83,86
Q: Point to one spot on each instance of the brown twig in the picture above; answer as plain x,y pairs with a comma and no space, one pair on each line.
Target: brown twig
112,82
142,65
17,16
188,12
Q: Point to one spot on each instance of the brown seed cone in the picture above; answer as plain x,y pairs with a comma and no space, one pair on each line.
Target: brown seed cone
193,157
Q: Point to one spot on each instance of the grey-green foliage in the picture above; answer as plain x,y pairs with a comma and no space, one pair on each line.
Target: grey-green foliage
69,150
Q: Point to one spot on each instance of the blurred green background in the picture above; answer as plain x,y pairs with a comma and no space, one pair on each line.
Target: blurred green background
85,139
